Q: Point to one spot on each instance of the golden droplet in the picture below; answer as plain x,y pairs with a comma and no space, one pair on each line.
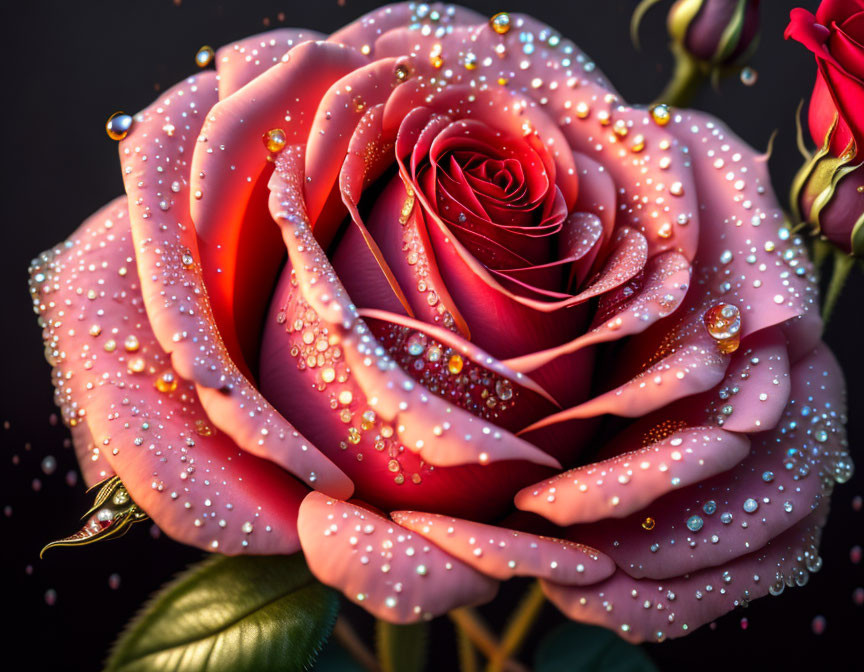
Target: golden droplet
359,104
131,343
118,125
723,321
455,364
95,330
402,72
202,428
354,435
345,397
638,143
500,23
503,81
136,365
393,466
204,56
661,114
275,140
470,61
582,110
166,382
620,128
648,524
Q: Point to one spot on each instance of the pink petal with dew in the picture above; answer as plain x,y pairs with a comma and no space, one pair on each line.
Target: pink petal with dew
145,419
385,568
240,62
618,486
789,471
649,610
154,156
503,554
442,434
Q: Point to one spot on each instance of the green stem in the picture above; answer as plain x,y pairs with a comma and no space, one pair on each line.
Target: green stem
345,635
843,263
467,655
475,629
686,81
402,648
519,627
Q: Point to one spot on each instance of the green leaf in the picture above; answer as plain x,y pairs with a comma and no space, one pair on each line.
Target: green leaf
231,614
575,647
401,648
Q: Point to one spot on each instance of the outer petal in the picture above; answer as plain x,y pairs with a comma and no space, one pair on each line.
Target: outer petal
242,61
147,423
641,610
503,554
788,473
178,308
617,487
382,566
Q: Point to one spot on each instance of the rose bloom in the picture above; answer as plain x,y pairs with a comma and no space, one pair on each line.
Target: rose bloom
463,316
835,35
832,195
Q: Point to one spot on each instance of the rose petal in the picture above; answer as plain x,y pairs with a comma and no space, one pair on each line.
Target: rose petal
242,61
382,566
667,278
178,308
221,190
192,480
620,485
789,471
641,610
442,434
503,554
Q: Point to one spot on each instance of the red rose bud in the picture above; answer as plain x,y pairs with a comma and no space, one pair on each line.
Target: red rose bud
835,35
716,32
829,195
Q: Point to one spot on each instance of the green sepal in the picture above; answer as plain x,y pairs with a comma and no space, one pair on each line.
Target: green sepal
231,614
575,647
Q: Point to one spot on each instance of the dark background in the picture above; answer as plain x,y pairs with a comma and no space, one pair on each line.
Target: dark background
68,65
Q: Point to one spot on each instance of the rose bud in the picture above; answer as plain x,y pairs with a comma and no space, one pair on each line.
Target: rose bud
716,32
709,38
465,315
827,192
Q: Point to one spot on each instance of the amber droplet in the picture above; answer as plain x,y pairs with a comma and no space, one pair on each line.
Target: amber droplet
136,365
402,72
500,23
202,428
275,140
661,114
455,364
118,125
166,382
648,524
723,321
204,56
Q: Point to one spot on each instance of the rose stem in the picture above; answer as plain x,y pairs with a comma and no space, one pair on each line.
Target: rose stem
346,636
467,657
519,627
472,625
686,80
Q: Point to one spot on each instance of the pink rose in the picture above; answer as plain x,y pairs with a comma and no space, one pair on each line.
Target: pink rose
532,330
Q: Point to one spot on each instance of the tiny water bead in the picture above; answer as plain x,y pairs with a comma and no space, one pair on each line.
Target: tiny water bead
661,114
749,76
118,125
500,23
723,321
275,140
694,523
204,56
